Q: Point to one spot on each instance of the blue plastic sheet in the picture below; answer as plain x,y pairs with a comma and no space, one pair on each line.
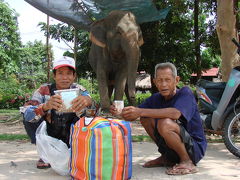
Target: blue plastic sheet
89,11
144,10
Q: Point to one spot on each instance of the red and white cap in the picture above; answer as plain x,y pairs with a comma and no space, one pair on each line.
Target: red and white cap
64,61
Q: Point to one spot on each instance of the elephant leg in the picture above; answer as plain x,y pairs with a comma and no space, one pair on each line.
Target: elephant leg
130,96
120,82
103,89
110,88
131,90
132,72
130,100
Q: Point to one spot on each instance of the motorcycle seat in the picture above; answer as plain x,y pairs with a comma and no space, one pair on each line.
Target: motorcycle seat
211,85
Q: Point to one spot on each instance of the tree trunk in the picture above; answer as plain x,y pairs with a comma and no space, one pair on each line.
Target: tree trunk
197,41
75,48
226,30
48,51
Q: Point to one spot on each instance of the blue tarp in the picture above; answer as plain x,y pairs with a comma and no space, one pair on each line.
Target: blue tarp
144,10
92,10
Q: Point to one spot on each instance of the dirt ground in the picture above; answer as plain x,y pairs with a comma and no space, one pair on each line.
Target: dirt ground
18,160
18,128
15,128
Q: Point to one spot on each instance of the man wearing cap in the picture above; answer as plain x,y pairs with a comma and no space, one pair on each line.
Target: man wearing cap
44,104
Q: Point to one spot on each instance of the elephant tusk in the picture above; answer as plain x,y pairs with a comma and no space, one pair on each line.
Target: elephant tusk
95,41
140,42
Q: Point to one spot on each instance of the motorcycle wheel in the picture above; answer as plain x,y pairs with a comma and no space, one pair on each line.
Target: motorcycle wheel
231,135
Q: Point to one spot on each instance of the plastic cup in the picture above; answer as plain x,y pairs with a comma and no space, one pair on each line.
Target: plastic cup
119,104
67,96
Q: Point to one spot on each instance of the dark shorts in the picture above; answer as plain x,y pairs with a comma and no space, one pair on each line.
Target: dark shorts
31,128
170,154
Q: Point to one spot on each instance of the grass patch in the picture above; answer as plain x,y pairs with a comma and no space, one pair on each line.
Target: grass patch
9,111
13,137
141,138
9,115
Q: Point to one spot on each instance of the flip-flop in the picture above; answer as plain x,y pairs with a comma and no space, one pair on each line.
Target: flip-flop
42,165
181,171
152,163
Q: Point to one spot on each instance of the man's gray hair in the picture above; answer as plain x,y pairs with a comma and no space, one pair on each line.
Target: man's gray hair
164,66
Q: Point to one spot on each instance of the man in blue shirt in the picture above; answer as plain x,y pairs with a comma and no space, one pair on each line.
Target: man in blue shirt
172,120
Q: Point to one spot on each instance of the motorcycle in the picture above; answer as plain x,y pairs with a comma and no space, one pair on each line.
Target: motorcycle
219,106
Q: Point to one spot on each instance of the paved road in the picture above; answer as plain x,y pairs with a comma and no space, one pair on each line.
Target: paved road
218,164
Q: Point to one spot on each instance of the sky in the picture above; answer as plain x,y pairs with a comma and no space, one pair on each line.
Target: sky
28,19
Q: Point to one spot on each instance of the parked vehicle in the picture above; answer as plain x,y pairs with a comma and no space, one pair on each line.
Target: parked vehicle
220,107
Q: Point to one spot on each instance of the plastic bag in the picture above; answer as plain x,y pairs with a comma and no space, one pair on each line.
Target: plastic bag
52,150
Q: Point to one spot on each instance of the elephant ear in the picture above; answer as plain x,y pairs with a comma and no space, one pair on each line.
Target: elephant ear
98,34
128,26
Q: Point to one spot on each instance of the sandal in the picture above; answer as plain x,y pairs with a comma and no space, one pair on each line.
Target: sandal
181,170
42,165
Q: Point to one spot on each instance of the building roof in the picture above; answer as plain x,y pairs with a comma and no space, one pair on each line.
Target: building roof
143,81
209,72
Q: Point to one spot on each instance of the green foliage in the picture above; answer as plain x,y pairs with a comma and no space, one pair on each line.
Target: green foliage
10,43
141,138
192,87
140,97
65,33
92,88
59,32
208,60
9,119
9,111
33,65
96,98
169,40
12,93
27,63
89,84
172,39
15,89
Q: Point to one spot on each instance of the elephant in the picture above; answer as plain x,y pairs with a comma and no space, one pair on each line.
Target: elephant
114,55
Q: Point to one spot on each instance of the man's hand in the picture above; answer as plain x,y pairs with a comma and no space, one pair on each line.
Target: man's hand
55,102
131,113
113,110
81,102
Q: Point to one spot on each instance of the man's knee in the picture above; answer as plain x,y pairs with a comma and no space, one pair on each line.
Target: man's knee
166,125
147,122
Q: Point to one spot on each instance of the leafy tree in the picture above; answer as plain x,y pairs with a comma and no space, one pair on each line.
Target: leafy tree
169,40
172,39
10,43
33,65
59,32
207,57
66,33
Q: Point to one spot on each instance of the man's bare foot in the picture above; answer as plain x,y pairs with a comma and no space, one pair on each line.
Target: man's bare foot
158,162
185,167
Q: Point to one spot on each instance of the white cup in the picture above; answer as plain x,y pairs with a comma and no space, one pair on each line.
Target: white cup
119,104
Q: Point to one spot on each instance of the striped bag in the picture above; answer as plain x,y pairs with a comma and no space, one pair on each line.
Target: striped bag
101,150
